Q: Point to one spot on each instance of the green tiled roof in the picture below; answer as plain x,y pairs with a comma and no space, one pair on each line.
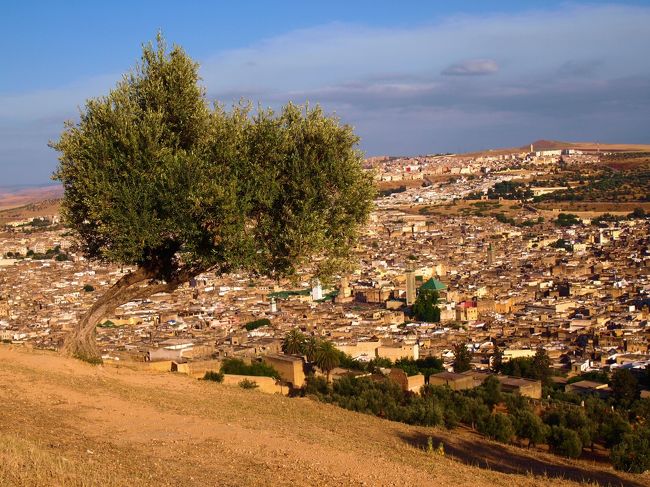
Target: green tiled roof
433,285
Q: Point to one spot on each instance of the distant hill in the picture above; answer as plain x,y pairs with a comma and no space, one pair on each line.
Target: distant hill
541,144
15,196
586,146
65,422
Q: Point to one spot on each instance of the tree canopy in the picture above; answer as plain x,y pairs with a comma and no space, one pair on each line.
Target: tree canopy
426,307
158,179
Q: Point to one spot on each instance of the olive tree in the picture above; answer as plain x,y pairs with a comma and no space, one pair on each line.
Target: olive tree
158,180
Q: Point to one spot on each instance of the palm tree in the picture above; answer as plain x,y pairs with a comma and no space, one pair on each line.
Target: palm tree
311,348
327,357
293,342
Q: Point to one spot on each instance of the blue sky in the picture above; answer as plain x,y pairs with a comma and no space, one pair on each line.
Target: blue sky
411,77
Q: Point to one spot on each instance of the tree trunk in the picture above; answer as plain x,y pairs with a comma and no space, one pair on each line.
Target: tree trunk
81,342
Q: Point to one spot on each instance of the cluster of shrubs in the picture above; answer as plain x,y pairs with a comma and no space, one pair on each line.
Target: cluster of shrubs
56,253
237,366
567,425
253,325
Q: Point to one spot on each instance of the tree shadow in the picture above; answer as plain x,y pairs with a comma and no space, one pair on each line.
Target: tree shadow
493,456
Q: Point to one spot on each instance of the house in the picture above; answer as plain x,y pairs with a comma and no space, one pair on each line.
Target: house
412,383
456,382
290,368
587,387
519,385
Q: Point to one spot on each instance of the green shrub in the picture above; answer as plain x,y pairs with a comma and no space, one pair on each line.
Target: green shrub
252,325
237,366
248,384
633,453
565,442
213,376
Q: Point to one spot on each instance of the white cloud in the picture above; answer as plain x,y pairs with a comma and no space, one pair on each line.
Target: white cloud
552,73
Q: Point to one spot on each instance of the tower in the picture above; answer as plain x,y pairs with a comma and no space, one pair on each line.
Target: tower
316,290
490,254
344,289
410,286
274,306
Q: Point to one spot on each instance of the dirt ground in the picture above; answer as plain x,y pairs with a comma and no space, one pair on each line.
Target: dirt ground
63,422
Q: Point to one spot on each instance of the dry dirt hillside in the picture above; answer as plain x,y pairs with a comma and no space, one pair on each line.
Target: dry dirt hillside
63,422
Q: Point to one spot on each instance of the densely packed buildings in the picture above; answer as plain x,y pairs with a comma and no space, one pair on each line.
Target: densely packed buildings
581,292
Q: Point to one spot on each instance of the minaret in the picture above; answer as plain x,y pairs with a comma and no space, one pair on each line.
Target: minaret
274,306
410,286
316,290
344,288
490,254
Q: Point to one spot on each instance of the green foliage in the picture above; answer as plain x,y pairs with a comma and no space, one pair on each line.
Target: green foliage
490,391
567,220
317,386
531,427
327,357
638,213
560,243
425,307
537,367
379,362
88,288
565,442
309,347
633,453
518,367
157,178
253,325
248,384
509,190
293,342
346,361
237,366
496,361
425,366
624,387
497,427
213,376
389,191
541,366
88,359
462,358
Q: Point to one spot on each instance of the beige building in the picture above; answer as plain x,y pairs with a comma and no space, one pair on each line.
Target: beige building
456,382
411,383
289,367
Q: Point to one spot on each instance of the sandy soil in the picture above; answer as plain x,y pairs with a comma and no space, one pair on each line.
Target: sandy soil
67,423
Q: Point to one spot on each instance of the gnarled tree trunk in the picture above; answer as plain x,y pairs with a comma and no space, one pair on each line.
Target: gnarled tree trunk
81,342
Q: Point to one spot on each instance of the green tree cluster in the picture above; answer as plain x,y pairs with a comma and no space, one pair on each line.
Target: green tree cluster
426,307
237,366
255,324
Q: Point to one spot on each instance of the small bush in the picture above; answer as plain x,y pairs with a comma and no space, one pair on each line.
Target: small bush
213,376
565,442
248,384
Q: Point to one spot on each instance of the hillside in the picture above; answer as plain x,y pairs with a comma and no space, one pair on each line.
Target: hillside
14,197
68,423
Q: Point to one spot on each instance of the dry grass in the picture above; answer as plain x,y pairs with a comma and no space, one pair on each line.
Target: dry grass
68,423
